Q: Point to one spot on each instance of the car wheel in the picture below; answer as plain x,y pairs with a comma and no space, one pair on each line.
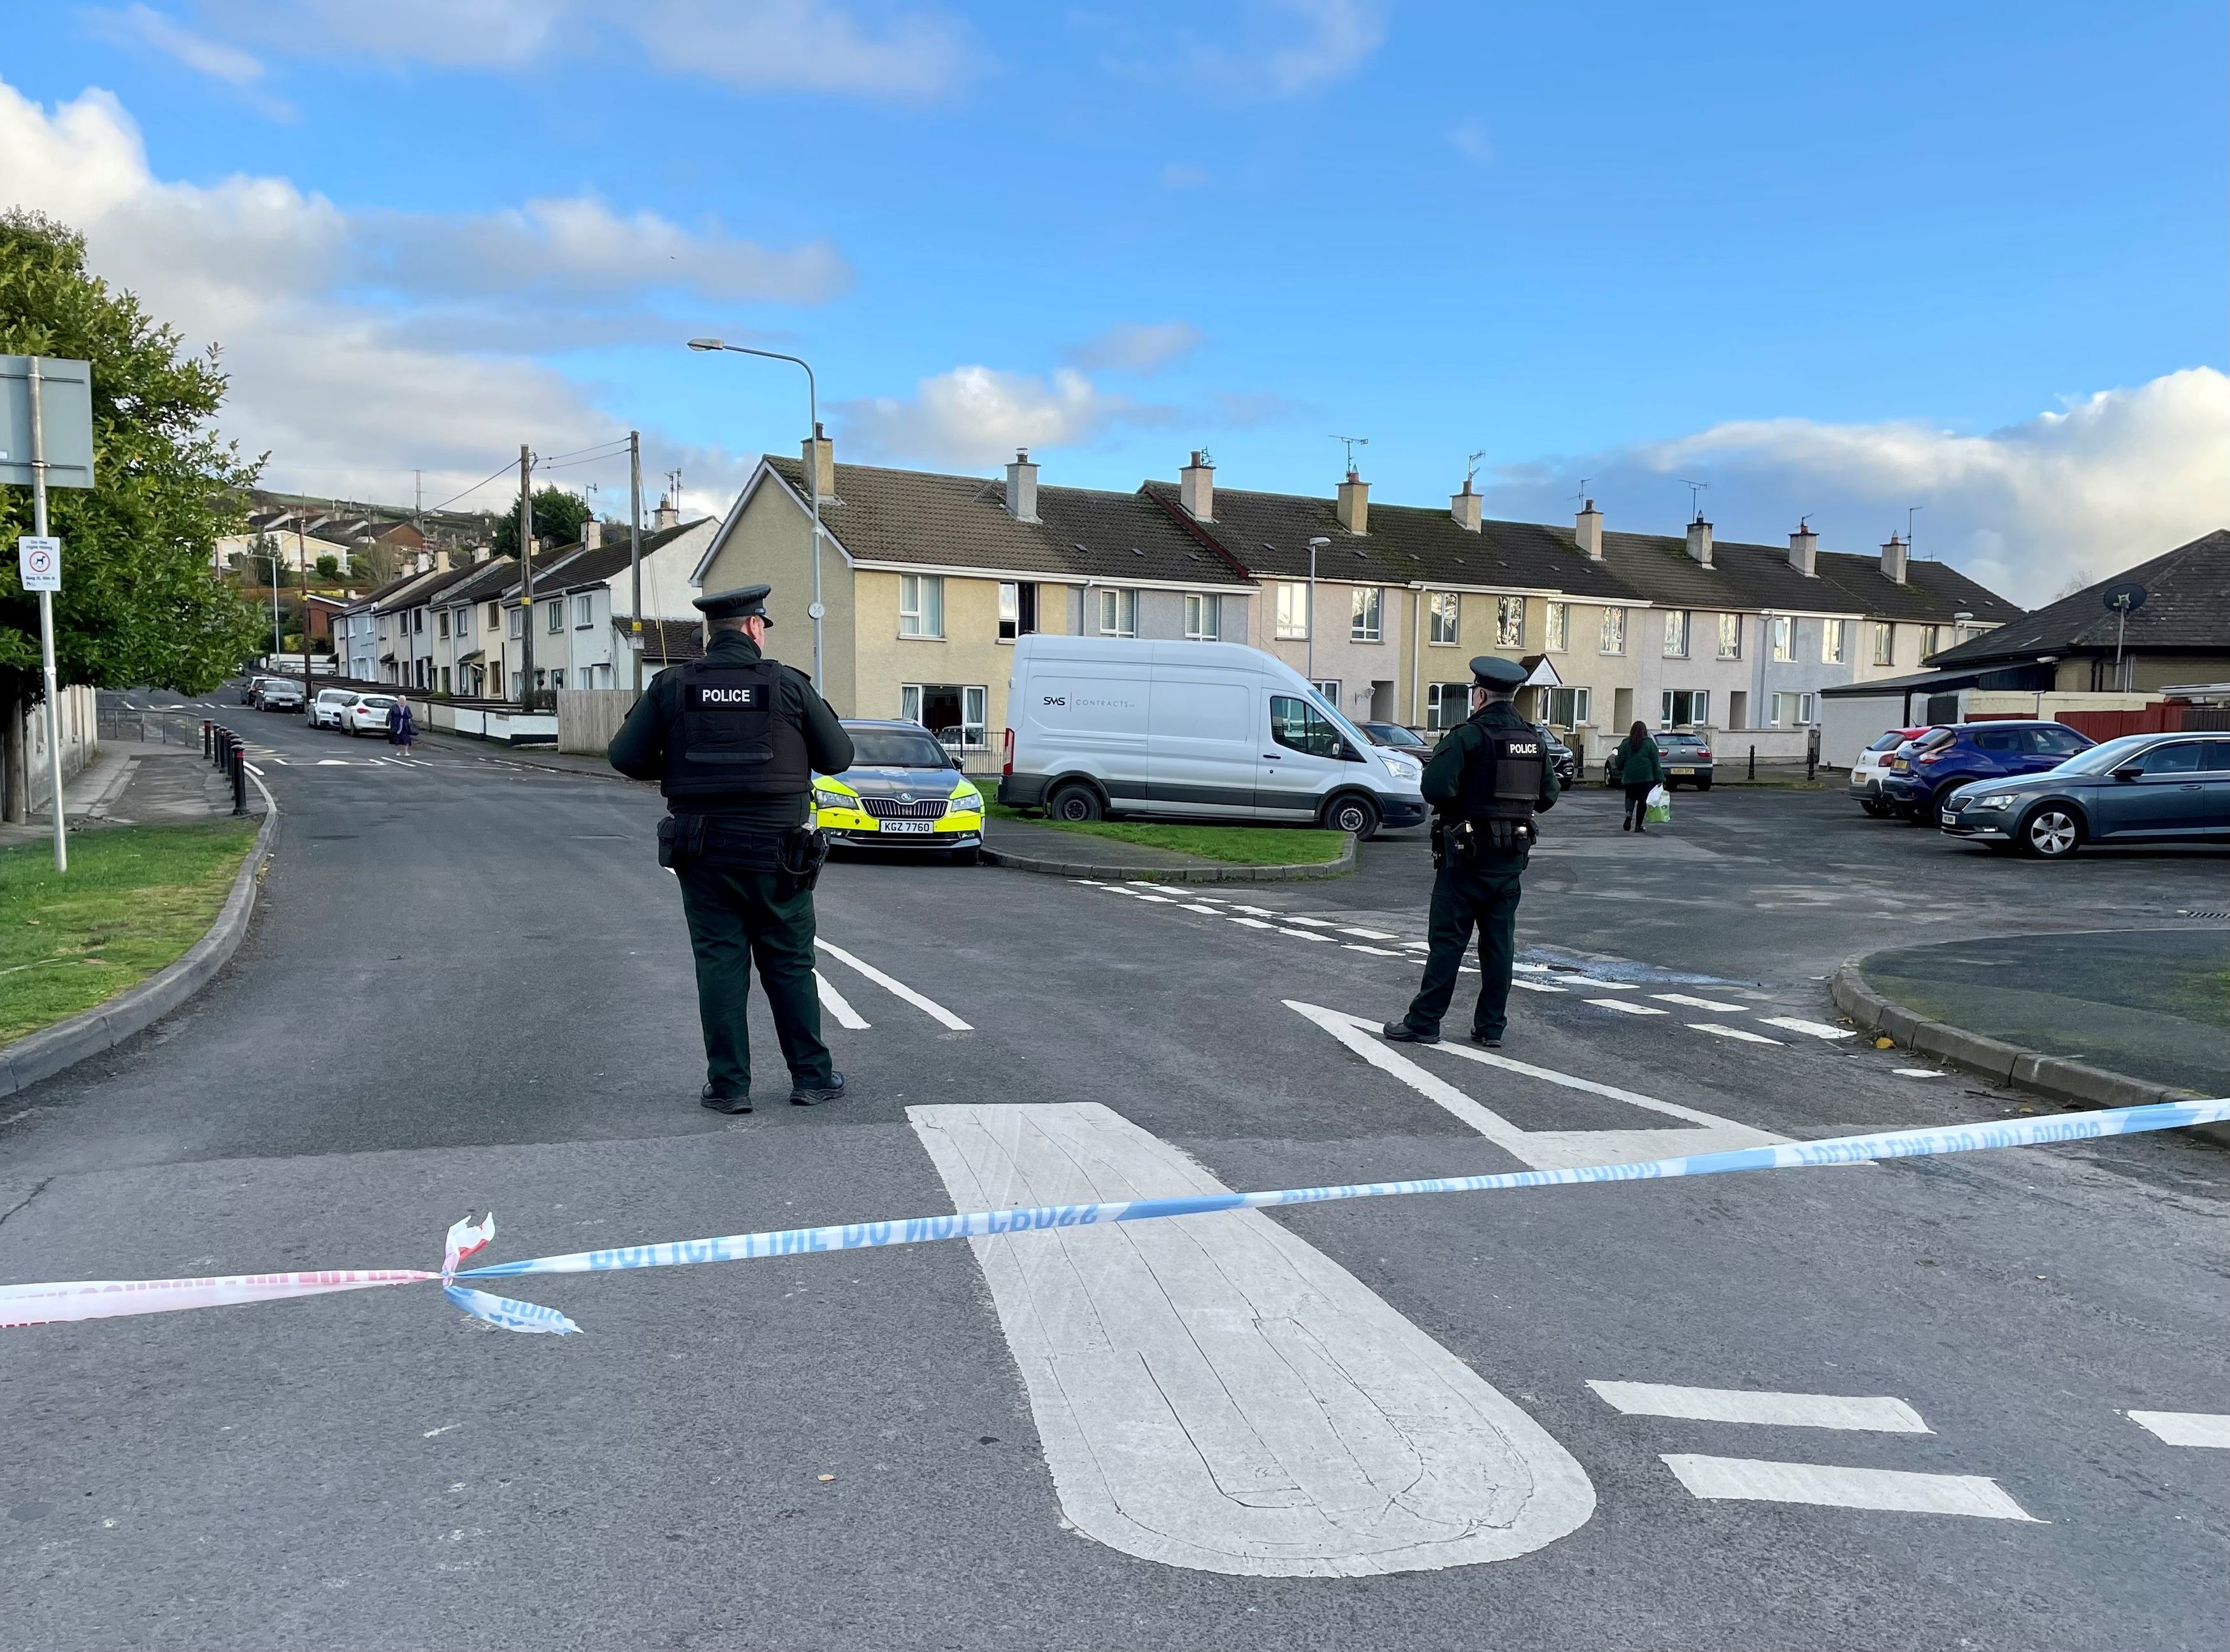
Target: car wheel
2051,833
1353,814
1703,785
1074,804
1874,807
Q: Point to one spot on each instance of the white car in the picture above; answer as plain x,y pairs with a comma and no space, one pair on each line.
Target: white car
366,714
325,709
1868,768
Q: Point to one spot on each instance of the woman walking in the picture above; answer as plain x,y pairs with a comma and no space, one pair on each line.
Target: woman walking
403,728
1639,769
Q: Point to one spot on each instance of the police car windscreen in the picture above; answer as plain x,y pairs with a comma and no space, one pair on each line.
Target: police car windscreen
877,748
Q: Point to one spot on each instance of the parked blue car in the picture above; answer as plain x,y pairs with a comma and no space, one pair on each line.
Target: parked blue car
1923,776
2150,788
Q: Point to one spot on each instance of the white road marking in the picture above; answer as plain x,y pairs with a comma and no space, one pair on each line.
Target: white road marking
1540,1149
282,763
252,769
1814,1029
838,1005
1880,1414
1739,1033
1251,923
1305,934
1375,951
1142,883
1095,882
1686,1002
336,763
1370,934
1620,1003
1747,1480
1533,986
1159,900
1213,1392
1259,912
1531,969
1917,1071
2186,1428
1313,923
1600,986
1197,906
929,1007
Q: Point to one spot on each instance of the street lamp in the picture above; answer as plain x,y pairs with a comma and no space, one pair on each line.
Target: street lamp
1315,546
812,475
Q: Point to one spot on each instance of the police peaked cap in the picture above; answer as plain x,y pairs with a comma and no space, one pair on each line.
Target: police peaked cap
1491,671
747,602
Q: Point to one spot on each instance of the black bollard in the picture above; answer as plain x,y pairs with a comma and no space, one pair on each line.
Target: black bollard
239,781
1753,763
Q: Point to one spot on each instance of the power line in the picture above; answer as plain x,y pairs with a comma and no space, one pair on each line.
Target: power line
541,463
475,488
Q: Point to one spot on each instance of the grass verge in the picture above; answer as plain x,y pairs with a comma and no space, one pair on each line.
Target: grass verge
134,898
1238,845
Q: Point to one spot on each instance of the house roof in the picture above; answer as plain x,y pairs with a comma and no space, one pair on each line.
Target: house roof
665,639
426,587
490,580
2187,610
577,565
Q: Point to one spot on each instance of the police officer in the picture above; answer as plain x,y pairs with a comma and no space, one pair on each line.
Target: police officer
734,740
1485,782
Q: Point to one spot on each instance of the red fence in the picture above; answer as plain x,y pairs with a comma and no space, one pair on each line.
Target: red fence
2161,717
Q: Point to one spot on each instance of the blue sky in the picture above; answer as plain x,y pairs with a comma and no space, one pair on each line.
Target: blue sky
1837,259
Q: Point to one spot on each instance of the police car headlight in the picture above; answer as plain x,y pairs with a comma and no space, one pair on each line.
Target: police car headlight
823,799
964,803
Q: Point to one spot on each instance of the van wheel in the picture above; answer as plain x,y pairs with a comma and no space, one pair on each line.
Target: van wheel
1353,814
1074,804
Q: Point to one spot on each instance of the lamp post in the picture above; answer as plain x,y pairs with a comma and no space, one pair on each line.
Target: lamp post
812,475
1315,546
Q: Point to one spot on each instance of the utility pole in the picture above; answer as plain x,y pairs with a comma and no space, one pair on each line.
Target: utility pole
302,561
526,567
635,547
46,628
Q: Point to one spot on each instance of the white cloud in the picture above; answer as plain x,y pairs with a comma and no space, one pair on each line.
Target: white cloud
1335,37
1279,48
877,50
1136,348
351,393
1469,138
974,416
141,25
2110,481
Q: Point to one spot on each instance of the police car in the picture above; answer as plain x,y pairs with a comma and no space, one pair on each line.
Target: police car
904,790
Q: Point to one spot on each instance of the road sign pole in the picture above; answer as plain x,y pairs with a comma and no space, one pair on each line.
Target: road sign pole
47,628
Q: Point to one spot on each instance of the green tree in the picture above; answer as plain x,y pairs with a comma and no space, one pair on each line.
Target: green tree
558,517
138,602
329,566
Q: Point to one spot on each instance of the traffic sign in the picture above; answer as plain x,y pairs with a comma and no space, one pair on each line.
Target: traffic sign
39,559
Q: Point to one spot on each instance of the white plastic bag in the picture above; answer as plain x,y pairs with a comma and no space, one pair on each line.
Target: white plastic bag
1659,806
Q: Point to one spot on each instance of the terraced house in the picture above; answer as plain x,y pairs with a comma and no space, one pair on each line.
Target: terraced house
926,577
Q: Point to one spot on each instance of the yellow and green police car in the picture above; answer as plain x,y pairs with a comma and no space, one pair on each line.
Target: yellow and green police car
904,790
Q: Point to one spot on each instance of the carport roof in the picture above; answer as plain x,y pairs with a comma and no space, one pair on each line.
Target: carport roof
2187,610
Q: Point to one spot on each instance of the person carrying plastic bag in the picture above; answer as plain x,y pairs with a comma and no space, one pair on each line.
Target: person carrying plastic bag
1659,806
1638,767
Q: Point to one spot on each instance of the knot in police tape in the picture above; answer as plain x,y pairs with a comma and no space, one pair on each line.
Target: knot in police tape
50,1304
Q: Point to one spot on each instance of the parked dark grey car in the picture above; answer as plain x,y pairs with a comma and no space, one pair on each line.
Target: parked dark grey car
2148,788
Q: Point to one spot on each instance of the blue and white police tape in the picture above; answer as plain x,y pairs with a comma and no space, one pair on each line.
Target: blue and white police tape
46,1304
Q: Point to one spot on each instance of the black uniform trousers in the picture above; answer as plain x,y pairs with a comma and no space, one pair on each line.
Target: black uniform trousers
738,917
1485,894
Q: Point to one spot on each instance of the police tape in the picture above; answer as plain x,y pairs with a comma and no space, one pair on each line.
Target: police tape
25,1305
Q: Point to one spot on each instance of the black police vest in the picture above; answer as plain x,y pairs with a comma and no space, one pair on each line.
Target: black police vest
726,736
1502,779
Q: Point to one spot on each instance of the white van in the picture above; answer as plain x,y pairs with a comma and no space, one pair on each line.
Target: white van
1117,725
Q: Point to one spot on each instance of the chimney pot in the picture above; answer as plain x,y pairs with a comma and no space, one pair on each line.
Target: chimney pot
666,515
1354,503
1197,487
1804,551
1587,532
1699,541
1894,560
1022,487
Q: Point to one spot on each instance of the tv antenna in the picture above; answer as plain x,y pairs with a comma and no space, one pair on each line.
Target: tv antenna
1804,523
1583,495
1911,511
1471,467
1695,498
1353,443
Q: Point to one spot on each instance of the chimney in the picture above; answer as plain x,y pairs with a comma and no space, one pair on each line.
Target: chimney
592,534
1465,508
1699,541
1587,532
1804,551
441,560
665,515
821,463
1022,487
481,553
1196,488
1355,504
1892,563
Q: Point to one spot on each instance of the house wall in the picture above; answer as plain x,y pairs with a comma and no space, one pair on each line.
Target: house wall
969,655
1357,666
1806,672
772,543
2142,672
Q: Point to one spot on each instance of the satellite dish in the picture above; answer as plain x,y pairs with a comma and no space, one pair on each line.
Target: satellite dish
2124,598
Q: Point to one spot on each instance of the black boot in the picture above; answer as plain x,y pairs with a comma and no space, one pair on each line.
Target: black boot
707,1098
806,1095
1400,1032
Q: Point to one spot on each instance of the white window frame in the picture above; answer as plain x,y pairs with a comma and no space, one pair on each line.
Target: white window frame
1291,615
1730,636
1834,641
1677,629
1447,704
1329,687
1366,612
1116,609
1556,627
1204,617
442,623
1699,709
518,623
1784,638
975,712
1579,701
585,611
553,617
1011,610
921,607
557,677
1885,643
1614,631
1444,622
1510,621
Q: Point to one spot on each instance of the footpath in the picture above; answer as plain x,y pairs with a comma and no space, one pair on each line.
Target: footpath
133,783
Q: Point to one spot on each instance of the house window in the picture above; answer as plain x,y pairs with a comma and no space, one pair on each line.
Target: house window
584,612
1292,609
1018,610
1119,612
1300,726
1510,621
1784,642
921,605
463,625
1445,607
557,679
1932,640
1730,637
1329,687
517,685
955,713
418,620
519,622
1556,627
445,680
1568,707
1362,627
494,611
442,623
553,616
1613,630
1885,643
1676,634
1831,642
1204,617
1795,710
1447,704
1686,709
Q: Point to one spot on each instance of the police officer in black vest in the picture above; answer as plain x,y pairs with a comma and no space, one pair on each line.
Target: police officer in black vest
1485,782
734,740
